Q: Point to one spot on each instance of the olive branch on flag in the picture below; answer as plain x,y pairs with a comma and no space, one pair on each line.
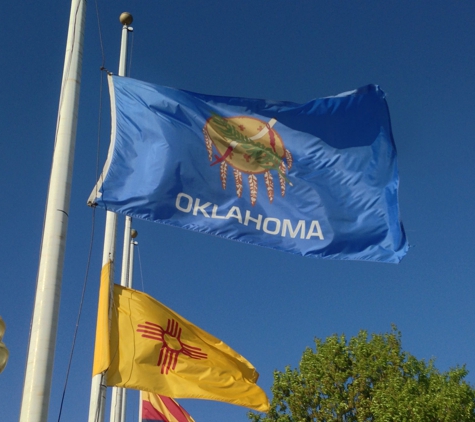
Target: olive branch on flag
266,157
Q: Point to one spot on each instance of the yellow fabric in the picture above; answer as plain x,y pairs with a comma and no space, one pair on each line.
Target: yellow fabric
194,364
4,353
102,351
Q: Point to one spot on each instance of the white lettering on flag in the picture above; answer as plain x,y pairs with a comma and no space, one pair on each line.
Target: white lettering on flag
293,233
270,225
178,202
201,208
234,212
265,226
257,220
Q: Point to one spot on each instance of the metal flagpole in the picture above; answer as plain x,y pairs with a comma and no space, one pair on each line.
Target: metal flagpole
98,387
140,406
127,281
119,395
118,402
39,368
133,235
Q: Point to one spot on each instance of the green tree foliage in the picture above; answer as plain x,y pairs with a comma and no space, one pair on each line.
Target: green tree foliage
368,379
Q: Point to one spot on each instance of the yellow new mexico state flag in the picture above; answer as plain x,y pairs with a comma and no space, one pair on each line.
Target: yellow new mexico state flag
154,349
101,351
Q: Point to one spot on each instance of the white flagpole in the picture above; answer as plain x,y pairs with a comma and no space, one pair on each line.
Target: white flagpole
98,385
140,406
133,235
118,402
119,395
39,368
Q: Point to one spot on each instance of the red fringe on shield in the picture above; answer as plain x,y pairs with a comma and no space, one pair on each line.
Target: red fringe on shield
253,188
209,144
289,158
223,168
238,179
269,185
283,170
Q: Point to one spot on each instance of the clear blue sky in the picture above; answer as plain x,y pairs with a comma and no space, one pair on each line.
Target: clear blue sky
266,304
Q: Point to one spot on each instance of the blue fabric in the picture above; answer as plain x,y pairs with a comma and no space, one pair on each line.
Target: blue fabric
341,187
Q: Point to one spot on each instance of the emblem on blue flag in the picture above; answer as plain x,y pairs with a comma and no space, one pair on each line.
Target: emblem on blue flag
251,146
317,179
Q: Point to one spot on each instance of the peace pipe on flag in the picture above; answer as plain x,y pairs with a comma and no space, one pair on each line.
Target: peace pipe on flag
316,179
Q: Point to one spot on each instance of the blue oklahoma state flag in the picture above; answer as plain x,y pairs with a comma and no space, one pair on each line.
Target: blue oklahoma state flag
317,179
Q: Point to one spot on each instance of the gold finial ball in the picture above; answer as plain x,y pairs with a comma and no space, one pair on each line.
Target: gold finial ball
133,233
126,18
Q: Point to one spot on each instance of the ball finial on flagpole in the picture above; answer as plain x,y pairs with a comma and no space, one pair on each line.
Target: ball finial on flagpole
126,18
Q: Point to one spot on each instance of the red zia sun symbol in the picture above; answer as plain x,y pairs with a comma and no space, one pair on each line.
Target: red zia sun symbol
172,344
